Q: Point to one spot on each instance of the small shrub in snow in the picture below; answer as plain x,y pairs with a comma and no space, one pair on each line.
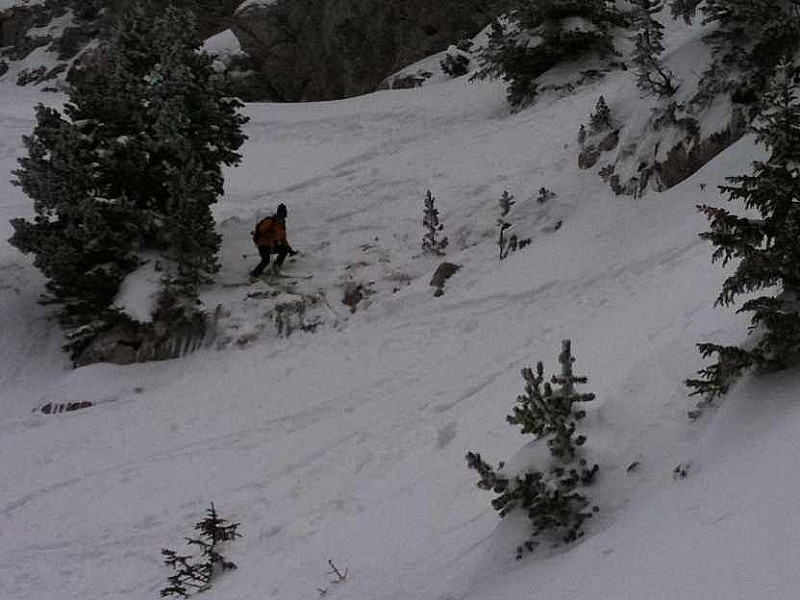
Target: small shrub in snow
455,62
195,574
545,195
767,247
430,221
506,201
337,576
507,243
549,494
600,119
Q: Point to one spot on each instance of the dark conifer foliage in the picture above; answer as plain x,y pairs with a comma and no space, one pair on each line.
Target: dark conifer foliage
600,120
550,495
538,35
431,242
751,39
132,166
196,574
685,9
652,76
765,242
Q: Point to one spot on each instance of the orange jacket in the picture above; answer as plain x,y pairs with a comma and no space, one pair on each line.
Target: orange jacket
270,232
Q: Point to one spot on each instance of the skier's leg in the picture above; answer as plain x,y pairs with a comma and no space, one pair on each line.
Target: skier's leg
280,254
264,252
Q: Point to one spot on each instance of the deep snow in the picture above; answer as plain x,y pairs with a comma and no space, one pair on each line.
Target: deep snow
348,443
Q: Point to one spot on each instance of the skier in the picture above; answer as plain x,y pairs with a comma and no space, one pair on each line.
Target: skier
270,237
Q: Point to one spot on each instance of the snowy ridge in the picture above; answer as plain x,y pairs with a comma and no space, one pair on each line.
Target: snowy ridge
348,443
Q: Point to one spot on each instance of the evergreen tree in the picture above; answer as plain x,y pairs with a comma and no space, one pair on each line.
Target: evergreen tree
652,77
535,35
582,135
132,166
506,243
550,413
430,220
550,495
191,575
600,119
767,247
751,38
83,241
684,9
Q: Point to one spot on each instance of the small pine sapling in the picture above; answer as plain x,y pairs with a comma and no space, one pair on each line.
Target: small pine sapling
546,195
191,575
507,243
506,201
582,136
600,119
550,496
551,413
338,575
430,220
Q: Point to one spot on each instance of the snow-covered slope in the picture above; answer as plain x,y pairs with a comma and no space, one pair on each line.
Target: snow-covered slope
348,443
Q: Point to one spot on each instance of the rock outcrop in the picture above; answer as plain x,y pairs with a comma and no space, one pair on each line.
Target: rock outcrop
339,48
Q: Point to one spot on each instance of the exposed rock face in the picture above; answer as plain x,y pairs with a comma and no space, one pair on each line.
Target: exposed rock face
132,342
406,81
338,48
275,50
354,293
609,142
443,272
588,157
684,160
14,25
88,19
298,49
688,152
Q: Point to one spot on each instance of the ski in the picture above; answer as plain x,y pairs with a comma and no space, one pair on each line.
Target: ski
292,276
266,279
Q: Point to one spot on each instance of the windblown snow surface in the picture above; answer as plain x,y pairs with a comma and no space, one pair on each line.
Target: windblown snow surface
347,443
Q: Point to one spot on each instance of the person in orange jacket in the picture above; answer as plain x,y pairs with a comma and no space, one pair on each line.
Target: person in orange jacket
270,237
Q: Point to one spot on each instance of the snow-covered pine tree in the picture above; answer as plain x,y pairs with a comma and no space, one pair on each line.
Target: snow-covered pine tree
83,241
138,150
751,38
430,221
549,494
197,129
652,76
535,35
551,413
767,247
685,9
600,119
455,62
